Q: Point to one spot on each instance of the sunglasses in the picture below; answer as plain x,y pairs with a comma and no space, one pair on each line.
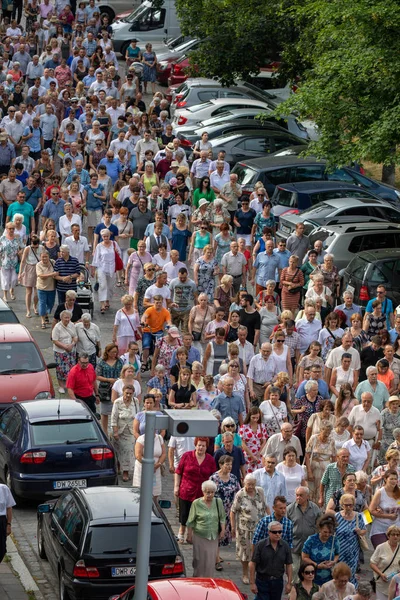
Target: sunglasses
280,341
231,425
148,270
309,572
277,532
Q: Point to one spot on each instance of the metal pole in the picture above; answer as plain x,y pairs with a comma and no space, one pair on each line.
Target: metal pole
146,502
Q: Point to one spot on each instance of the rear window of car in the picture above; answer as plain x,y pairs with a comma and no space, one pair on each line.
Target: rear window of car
320,211
357,267
20,357
324,235
8,316
52,433
245,174
284,198
374,241
122,539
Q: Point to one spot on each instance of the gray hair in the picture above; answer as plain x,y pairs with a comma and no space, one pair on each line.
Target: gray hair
17,216
370,369
318,277
364,589
64,248
274,524
208,485
65,312
223,369
348,293
148,163
86,317
227,421
310,384
226,435
270,282
361,476
304,489
249,477
396,432
71,294
104,231
159,368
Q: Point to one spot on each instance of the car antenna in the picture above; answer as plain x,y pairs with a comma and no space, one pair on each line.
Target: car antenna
124,514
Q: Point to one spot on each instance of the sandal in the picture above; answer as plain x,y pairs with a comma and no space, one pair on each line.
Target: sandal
102,311
28,315
43,325
47,320
218,566
119,284
12,296
245,580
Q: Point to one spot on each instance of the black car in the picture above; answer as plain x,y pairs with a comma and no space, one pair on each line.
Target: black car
90,539
274,170
369,269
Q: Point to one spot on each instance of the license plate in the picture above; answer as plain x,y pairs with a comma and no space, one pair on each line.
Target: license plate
124,571
285,229
70,483
350,289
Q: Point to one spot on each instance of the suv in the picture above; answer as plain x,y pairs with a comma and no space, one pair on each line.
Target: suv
296,197
90,539
347,240
370,269
275,170
338,212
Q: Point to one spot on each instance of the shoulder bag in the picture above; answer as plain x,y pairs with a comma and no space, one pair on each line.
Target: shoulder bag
361,538
135,333
119,265
96,344
196,335
373,580
219,518
298,289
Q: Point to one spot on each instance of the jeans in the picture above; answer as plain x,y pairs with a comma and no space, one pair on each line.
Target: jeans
46,301
61,296
270,589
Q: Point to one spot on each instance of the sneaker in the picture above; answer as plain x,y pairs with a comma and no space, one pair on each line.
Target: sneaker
61,390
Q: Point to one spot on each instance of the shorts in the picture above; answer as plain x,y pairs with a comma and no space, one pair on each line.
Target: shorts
106,408
148,338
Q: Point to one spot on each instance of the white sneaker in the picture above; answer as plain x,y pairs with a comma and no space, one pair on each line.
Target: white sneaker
61,390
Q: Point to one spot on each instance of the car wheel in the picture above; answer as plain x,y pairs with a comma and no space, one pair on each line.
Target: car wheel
63,593
40,542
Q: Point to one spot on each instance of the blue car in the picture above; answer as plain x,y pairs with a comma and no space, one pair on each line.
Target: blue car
48,446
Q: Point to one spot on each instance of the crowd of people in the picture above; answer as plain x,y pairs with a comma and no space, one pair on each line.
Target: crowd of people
217,314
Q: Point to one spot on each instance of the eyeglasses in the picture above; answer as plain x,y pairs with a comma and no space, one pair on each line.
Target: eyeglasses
260,195
149,270
277,532
234,367
351,504
380,292
309,572
280,341
231,425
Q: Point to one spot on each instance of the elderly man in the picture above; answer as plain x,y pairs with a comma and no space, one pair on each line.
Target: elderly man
228,403
332,478
113,166
89,338
200,168
230,193
229,449
261,372
140,216
78,245
304,515
394,364
219,178
348,306
54,207
374,388
34,70
272,482
15,130
298,243
7,154
68,271
79,170
246,349
234,264
82,382
271,560
359,449
265,267
278,442
145,144
9,190
369,417
308,329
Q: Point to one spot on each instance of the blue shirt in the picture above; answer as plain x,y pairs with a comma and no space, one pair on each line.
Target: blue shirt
393,335
349,311
272,486
238,459
84,176
387,309
266,265
320,552
34,142
246,220
113,229
23,177
194,354
261,531
54,211
323,389
93,203
32,196
165,231
88,80
283,260
114,168
229,406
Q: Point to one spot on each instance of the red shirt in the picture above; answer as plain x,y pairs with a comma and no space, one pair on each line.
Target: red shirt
81,380
193,474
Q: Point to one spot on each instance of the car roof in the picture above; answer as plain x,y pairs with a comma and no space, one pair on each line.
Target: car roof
381,254
198,588
359,227
248,124
317,186
14,332
113,504
53,409
244,101
280,161
350,201
264,132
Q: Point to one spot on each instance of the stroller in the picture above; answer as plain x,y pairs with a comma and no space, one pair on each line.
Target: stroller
84,291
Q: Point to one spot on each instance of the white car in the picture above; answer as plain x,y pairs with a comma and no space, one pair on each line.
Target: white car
213,108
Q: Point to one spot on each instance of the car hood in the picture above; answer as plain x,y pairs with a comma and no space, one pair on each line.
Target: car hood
24,386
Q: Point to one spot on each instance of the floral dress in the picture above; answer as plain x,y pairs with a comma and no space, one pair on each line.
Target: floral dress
226,491
9,251
206,277
223,246
248,512
253,441
166,351
149,73
321,455
260,221
141,288
348,542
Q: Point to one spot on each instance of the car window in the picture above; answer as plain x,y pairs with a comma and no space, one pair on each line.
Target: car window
324,235
63,432
362,180
370,241
74,524
277,176
5,419
381,272
356,211
245,174
284,198
206,96
20,357
279,143
8,316
307,173
384,212
259,145
357,267
62,508
13,427
197,107
339,175
396,269
103,539
229,94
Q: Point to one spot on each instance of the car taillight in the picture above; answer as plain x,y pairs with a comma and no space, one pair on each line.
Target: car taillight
182,120
292,211
187,143
173,568
177,69
177,98
81,570
101,453
181,104
33,457
363,295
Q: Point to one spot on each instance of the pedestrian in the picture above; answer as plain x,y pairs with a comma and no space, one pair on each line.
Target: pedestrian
122,415
27,273
6,505
82,384
64,341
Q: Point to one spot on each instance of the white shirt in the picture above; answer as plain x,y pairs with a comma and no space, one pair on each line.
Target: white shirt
173,270
272,486
308,332
115,113
180,446
246,352
77,124
256,205
153,290
65,225
261,370
77,248
116,146
161,262
335,357
6,499
358,454
368,420
83,343
218,181
276,445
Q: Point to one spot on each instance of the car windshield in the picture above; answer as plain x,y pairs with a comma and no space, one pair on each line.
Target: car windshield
8,316
122,539
137,14
284,198
51,433
20,357
245,174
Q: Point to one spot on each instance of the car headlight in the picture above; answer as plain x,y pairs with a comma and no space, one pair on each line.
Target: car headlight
42,396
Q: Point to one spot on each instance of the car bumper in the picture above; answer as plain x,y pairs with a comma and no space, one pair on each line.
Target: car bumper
100,589
38,486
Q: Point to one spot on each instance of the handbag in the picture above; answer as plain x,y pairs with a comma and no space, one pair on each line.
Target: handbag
297,289
361,538
96,344
119,265
196,335
104,390
373,580
135,333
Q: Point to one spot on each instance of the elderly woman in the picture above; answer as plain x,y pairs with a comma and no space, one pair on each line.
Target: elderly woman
322,550
359,449
71,305
350,525
205,270
64,341
339,587
206,525
227,488
219,216
11,248
248,508
135,268
319,291
122,415
224,294
46,286
330,274
291,283
66,221
390,420
274,411
127,377
269,314
105,263
160,455
199,317
195,467
292,472
392,459
160,381
320,452
149,177
27,273
374,322
304,407
349,482
384,562
126,325
89,338
108,371
324,414
227,425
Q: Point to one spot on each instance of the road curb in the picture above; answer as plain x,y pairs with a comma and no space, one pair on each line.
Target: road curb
19,567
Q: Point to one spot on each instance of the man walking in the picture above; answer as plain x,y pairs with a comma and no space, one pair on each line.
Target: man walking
304,515
184,296
82,382
234,264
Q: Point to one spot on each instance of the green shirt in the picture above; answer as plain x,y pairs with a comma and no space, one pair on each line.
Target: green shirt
198,195
204,520
22,209
332,479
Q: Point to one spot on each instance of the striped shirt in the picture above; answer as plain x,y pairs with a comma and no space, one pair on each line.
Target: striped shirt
261,531
261,370
64,268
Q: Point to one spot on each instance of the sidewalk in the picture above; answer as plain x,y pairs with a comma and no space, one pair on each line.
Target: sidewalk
15,578
10,585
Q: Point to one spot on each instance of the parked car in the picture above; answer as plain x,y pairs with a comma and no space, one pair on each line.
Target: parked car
370,269
177,589
253,142
349,239
337,211
275,170
90,540
7,315
166,59
48,446
178,74
24,374
294,198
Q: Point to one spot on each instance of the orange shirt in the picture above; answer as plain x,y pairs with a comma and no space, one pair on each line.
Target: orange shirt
156,319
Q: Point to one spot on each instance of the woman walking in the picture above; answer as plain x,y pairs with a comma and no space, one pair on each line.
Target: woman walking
27,273
291,283
108,371
350,525
46,287
64,341
122,415
126,325
11,248
105,263
149,61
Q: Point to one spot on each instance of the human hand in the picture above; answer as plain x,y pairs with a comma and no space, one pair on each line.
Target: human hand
176,490
253,588
171,470
384,578
321,502
288,587
189,538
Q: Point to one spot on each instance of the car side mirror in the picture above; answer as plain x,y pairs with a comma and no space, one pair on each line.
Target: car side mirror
44,508
51,365
164,503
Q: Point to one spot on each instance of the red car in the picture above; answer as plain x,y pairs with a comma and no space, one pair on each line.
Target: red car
193,588
24,374
179,71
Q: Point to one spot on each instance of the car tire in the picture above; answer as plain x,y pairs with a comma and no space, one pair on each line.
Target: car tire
63,593
40,542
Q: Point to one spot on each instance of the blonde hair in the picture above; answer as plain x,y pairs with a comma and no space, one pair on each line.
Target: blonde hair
286,314
227,279
282,379
127,299
124,370
347,498
208,247
156,392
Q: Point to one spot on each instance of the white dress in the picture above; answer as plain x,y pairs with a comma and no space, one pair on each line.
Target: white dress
387,505
137,474
281,359
273,416
293,477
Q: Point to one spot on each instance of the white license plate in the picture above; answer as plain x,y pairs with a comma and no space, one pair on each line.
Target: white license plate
350,289
70,483
285,229
124,571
